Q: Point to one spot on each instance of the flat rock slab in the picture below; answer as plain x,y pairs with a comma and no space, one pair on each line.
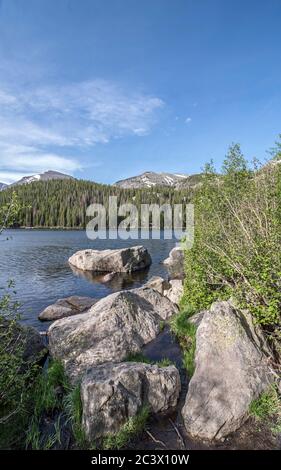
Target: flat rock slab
231,370
66,307
114,327
113,393
123,260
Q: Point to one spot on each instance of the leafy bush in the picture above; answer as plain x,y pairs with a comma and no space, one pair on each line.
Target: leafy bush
17,375
237,239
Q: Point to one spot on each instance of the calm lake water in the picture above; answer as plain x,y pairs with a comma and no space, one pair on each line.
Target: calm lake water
37,260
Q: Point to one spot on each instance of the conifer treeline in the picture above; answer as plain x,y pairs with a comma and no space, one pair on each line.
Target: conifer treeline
63,203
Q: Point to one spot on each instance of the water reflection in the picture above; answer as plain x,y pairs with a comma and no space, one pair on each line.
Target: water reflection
115,281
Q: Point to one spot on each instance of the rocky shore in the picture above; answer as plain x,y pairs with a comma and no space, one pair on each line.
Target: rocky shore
96,341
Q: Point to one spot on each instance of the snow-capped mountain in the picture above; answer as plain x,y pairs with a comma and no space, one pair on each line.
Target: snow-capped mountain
46,176
150,179
2,186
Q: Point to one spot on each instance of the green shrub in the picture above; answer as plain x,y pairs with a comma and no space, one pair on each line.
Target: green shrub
44,400
237,240
17,373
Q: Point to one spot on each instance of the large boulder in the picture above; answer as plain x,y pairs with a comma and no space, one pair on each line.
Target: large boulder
66,307
113,393
129,259
117,325
175,262
231,370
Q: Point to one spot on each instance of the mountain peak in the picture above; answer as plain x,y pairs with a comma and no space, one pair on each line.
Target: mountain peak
45,176
148,179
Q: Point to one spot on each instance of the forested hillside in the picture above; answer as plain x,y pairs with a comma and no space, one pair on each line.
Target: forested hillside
63,203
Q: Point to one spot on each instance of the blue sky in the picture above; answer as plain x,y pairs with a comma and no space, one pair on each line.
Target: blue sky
106,89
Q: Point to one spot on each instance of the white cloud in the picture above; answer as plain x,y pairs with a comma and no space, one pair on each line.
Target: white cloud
26,160
188,120
38,125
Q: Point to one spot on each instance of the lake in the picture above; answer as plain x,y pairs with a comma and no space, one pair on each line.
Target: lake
37,260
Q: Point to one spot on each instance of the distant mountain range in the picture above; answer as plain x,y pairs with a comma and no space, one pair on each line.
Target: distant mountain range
150,179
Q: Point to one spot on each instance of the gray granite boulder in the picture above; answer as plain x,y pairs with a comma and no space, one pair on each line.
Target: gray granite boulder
113,393
232,369
129,259
114,327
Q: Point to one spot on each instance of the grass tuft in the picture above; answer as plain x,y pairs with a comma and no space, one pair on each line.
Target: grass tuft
267,405
165,362
129,430
73,408
186,333
180,324
44,400
140,357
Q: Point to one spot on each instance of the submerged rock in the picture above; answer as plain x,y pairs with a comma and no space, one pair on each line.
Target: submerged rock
66,307
123,260
113,393
117,325
231,370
